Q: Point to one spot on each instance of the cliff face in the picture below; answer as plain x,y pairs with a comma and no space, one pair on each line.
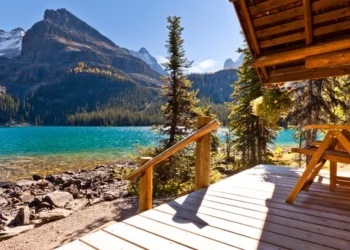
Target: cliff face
149,59
230,64
217,86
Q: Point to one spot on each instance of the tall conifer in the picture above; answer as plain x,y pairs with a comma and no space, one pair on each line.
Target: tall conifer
176,90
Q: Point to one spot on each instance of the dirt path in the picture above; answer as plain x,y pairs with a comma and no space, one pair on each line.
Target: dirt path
60,232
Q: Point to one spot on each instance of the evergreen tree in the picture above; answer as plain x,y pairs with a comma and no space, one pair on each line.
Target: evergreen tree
251,133
179,99
318,103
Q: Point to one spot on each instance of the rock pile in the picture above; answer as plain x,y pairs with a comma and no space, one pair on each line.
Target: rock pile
30,203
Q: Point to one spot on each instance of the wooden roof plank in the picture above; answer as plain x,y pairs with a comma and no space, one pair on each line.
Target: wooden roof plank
322,4
301,53
283,39
268,5
308,21
331,15
279,16
280,28
324,17
328,59
332,28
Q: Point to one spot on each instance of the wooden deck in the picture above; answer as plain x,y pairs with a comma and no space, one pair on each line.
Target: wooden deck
245,211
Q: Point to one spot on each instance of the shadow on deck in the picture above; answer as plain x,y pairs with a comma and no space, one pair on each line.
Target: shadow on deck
245,211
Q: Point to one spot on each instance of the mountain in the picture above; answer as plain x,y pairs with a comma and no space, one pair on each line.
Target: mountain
11,43
230,64
144,55
70,74
67,67
214,86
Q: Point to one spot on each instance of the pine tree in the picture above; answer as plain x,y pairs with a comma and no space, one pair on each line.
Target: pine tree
251,133
179,99
319,101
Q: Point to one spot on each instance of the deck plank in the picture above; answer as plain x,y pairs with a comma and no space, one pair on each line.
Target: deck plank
199,227
260,230
142,238
245,211
76,245
176,234
102,240
255,218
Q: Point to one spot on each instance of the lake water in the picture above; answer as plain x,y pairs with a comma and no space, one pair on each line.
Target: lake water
27,149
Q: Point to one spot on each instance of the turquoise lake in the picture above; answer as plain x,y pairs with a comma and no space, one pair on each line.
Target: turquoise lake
25,149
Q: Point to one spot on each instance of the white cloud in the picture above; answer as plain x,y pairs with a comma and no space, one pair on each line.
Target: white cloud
203,66
195,69
162,59
207,64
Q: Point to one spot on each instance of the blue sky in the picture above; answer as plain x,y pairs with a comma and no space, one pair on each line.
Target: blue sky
212,32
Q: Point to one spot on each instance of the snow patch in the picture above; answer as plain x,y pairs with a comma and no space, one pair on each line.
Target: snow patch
11,43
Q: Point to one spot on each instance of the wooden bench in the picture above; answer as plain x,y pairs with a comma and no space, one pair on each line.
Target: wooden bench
334,148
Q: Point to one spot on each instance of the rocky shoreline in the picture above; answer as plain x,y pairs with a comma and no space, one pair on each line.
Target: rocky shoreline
28,204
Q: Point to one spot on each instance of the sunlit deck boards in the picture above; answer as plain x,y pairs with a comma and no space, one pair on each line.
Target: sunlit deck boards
245,211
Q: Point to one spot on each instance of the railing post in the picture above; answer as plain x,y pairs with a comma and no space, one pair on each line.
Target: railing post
202,178
146,187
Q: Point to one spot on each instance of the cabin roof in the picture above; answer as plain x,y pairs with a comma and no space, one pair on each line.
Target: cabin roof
293,40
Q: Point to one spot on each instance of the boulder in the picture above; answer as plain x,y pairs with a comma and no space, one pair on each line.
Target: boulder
44,183
11,232
51,178
77,204
36,177
3,202
5,184
44,205
23,183
58,198
55,214
6,220
111,195
27,197
23,216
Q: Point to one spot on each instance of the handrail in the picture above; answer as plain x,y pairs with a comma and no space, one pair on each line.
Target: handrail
327,127
177,147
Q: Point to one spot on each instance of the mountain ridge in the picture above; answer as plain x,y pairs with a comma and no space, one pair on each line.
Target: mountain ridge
67,67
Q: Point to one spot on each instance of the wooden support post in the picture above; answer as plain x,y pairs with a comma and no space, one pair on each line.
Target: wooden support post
333,175
202,178
146,187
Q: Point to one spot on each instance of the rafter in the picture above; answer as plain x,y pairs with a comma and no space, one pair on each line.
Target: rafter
308,21
302,53
312,74
254,40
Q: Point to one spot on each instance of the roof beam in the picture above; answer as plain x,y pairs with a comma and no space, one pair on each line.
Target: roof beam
328,59
254,40
312,74
308,21
302,53
250,26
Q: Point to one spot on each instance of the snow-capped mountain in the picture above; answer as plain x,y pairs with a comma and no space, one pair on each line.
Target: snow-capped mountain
144,55
230,64
11,43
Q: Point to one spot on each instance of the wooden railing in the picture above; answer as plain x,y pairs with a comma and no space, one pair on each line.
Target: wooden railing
202,136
